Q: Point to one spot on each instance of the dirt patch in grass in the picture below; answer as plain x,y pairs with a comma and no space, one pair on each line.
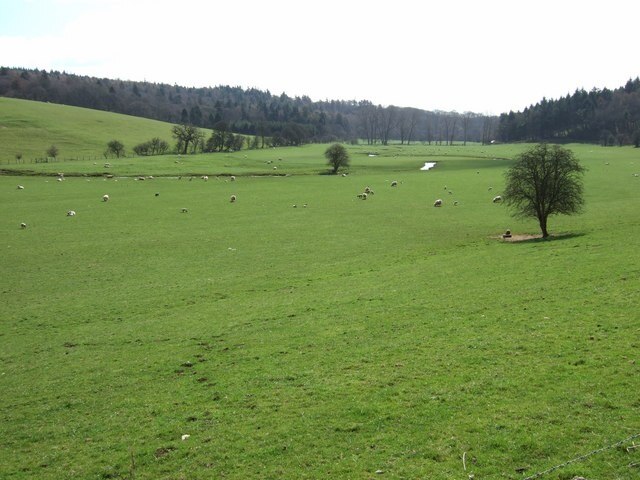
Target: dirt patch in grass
520,237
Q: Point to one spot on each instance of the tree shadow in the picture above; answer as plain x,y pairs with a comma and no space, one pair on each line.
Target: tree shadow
528,239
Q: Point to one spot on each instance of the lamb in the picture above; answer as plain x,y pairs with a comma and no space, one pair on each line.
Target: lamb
71,213
497,199
105,198
233,198
437,203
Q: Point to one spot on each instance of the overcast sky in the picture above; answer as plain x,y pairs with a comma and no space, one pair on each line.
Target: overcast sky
485,56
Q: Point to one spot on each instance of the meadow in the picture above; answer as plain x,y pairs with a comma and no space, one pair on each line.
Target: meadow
348,339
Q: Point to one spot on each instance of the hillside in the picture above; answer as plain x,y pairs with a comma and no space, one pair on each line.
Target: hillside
30,128
288,121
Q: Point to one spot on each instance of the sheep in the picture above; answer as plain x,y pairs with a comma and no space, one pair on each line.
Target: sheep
455,204
437,203
304,206
105,198
507,234
20,187
394,183
367,189
344,174
233,198
232,178
71,213
497,199
275,167
184,210
59,179
295,206
23,225
490,188
205,178
140,178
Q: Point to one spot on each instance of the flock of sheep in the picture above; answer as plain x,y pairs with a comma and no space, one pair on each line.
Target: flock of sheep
366,193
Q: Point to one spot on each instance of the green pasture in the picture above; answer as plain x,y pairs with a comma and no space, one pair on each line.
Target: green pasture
348,339
30,128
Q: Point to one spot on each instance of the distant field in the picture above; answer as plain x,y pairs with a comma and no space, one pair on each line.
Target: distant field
30,128
347,339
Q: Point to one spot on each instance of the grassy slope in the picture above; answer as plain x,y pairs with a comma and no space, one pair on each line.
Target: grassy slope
339,339
31,128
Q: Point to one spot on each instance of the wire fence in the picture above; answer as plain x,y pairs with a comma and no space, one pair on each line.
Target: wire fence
584,457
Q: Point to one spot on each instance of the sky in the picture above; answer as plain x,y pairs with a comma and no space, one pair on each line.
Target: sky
484,56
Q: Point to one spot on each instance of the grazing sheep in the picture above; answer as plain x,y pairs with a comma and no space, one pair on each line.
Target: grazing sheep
71,213
344,174
295,206
455,204
490,188
184,210
450,192
275,168
59,179
105,198
304,206
497,199
233,198
232,178
367,190
394,183
205,178
437,203
507,234
20,187
140,178
635,174
23,225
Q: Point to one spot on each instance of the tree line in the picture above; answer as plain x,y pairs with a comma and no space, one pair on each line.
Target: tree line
276,120
608,117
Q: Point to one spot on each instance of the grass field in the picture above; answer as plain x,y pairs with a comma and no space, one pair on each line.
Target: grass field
348,339
30,128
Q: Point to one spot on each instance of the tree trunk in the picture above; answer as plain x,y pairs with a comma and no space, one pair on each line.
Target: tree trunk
543,226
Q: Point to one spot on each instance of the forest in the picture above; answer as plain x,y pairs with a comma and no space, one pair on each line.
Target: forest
604,116
283,120
608,117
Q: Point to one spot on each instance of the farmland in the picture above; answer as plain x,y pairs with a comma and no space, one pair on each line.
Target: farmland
381,338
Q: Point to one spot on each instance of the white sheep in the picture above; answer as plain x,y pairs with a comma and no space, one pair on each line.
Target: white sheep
59,179
497,199
105,198
275,168
394,183
71,213
205,178
23,225
437,203
233,178
140,178
184,210
20,187
233,198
